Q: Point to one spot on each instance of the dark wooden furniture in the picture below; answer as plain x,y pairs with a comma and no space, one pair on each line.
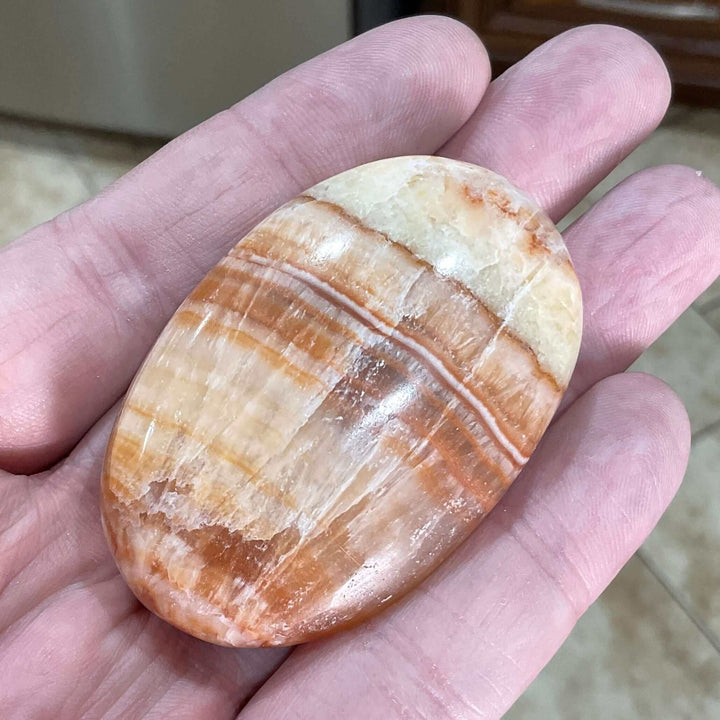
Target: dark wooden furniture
687,34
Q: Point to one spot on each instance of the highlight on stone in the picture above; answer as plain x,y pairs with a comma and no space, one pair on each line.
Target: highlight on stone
340,401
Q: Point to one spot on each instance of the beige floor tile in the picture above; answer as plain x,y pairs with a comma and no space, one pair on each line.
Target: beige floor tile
633,655
688,137
685,546
710,297
103,157
713,317
685,117
38,179
580,209
687,357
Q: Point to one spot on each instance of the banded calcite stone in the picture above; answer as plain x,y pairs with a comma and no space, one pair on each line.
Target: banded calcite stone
340,402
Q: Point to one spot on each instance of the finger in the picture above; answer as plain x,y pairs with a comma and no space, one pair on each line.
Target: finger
558,121
642,254
478,631
66,613
82,298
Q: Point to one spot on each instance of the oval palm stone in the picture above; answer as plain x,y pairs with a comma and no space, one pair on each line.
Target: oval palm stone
340,401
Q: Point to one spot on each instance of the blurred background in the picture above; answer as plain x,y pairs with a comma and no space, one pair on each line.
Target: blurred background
89,88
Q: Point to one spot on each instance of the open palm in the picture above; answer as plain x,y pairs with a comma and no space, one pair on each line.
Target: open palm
83,297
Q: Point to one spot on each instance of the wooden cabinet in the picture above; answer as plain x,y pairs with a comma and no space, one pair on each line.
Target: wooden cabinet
687,34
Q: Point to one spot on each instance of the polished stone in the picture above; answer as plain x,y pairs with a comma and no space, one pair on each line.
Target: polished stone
340,401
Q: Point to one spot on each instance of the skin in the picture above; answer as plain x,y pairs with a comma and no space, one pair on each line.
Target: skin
83,297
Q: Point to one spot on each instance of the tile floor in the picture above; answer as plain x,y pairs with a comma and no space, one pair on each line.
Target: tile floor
650,646
45,170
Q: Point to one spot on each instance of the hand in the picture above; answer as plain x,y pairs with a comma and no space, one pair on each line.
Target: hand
83,297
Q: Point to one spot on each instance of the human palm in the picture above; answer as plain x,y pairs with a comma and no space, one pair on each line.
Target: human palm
83,297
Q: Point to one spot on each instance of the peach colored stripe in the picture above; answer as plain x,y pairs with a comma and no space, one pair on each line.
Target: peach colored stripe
388,330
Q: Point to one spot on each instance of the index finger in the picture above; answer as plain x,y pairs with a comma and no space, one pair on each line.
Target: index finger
83,297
